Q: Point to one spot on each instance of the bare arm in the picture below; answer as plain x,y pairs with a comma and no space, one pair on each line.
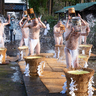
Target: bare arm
67,24
8,21
54,30
20,22
68,34
82,19
87,32
25,25
42,24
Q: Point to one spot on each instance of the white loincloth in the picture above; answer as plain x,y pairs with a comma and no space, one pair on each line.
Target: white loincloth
0,39
60,39
1,56
26,40
1,45
34,43
74,54
83,38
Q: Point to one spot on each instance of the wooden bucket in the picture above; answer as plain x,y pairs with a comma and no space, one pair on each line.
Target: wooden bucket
83,59
24,49
3,52
86,48
25,12
30,11
71,10
47,55
59,50
33,62
62,28
82,81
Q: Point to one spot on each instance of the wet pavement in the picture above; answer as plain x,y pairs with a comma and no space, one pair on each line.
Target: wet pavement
11,80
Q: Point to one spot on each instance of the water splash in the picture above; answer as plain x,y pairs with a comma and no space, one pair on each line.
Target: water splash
2,18
15,77
90,20
90,89
40,68
72,87
27,71
64,88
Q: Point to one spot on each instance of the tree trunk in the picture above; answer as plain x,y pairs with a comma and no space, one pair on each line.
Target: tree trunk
82,1
92,0
65,4
50,7
2,11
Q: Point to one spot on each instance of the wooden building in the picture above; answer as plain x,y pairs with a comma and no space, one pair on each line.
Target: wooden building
2,7
12,7
83,8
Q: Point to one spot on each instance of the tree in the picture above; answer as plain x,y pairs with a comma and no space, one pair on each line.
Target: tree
35,4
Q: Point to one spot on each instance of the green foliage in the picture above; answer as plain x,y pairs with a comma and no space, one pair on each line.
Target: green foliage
52,20
36,4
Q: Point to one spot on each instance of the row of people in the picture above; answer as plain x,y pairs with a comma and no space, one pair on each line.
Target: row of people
2,31
31,31
72,40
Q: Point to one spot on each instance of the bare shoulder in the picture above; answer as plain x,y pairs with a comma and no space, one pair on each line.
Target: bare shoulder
39,25
55,26
3,24
30,24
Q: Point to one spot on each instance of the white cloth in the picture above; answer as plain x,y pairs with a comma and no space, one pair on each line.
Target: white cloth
60,39
74,54
46,30
26,41
34,43
1,56
0,39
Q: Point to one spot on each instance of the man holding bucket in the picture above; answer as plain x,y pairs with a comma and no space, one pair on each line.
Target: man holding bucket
25,32
2,31
71,36
58,33
34,27
84,26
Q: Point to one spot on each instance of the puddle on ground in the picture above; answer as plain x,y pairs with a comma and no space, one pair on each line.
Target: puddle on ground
16,76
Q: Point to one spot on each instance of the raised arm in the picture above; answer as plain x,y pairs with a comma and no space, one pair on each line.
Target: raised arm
54,30
87,32
67,24
82,19
42,24
68,33
25,25
20,23
8,21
